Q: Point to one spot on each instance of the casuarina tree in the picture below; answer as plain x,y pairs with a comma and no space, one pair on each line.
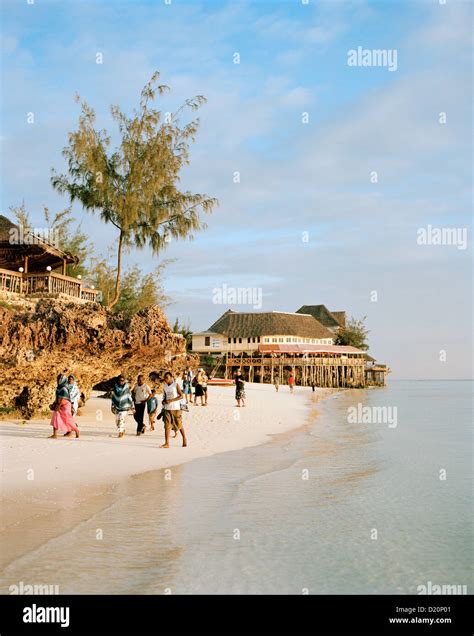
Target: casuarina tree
135,187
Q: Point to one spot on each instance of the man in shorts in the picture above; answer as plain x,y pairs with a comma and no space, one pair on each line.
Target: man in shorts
172,396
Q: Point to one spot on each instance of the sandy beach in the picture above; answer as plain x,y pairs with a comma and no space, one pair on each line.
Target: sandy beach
41,477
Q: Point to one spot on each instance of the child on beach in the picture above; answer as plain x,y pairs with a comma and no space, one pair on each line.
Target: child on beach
187,390
152,407
291,382
74,393
122,403
172,396
62,419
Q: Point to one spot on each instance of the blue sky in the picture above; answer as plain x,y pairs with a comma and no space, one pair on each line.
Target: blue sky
295,177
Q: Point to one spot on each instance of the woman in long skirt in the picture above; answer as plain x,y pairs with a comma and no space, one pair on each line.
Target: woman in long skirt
62,419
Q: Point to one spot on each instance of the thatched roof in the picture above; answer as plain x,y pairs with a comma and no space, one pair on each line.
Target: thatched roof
41,253
340,316
248,325
330,319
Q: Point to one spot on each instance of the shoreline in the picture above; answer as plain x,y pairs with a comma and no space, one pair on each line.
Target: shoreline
48,486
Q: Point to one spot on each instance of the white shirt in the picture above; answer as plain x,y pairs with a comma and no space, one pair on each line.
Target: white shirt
141,393
169,393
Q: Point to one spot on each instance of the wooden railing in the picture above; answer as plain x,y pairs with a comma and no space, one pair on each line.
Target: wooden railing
11,281
292,361
47,283
52,284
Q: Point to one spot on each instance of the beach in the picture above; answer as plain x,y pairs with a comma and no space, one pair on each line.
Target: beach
48,484
331,506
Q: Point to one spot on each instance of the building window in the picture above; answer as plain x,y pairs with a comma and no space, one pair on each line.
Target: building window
295,339
229,340
240,340
258,338
207,341
280,339
253,339
248,340
235,340
265,339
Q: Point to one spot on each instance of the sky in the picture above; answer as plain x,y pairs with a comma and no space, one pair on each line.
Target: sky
343,169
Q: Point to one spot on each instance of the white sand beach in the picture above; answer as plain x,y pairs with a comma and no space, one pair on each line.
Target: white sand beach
32,463
48,485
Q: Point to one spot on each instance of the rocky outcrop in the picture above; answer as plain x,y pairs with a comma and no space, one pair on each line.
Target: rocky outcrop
40,340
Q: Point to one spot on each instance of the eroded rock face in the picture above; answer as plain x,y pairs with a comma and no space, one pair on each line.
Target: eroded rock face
40,340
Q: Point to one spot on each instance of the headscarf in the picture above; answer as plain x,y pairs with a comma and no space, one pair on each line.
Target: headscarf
62,390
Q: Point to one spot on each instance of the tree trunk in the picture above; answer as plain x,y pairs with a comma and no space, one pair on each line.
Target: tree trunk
116,297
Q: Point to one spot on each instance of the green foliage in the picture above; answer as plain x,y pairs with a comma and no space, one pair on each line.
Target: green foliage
135,186
138,290
353,334
184,330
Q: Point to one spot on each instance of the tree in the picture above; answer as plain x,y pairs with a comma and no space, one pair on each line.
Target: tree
184,330
135,186
67,239
353,334
137,291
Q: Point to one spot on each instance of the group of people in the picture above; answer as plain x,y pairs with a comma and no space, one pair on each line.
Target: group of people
186,388
65,406
143,399
178,392
291,383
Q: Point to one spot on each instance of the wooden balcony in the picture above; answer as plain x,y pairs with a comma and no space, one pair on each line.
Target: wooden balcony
292,361
49,283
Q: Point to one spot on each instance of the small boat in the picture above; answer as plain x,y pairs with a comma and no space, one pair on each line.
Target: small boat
220,382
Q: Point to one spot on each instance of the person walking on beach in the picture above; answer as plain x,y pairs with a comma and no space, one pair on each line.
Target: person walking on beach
122,403
152,407
187,388
291,382
74,393
172,396
276,384
62,419
204,380
239,388
198,388
140,394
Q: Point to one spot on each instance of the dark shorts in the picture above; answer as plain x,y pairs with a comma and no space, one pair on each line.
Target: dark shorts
172,419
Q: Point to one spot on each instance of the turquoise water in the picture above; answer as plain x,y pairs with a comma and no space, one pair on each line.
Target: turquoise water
373,516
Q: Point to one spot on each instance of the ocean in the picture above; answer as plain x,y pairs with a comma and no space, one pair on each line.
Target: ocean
338,506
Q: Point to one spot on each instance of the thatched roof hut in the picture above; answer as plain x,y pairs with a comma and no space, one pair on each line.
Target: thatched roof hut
21,247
